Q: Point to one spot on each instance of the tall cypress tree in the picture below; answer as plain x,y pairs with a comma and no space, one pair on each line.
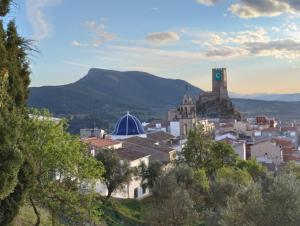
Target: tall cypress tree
15,170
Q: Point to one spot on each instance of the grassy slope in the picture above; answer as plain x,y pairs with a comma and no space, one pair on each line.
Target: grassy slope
27,217
124,212
115,213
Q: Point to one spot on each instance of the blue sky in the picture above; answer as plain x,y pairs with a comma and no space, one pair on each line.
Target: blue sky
258,41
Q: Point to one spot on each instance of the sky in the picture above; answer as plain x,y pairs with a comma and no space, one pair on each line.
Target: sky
258,41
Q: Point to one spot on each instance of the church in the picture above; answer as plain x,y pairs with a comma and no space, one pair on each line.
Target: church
184,118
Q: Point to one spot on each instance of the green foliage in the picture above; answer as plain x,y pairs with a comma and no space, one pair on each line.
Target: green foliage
18,65
123,212
246,207
15,168
226,184
292,167
196,152
62,165
202,180
171,203
4,7
282,201
151,173
256,170
117,171
201,151
221,155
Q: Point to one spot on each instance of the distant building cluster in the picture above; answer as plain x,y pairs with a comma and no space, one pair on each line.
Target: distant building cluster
269,141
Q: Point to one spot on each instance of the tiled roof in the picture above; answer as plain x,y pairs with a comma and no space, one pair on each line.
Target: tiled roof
148,143
100,143
289,128
160,136
282,142
270,130
129,154
152,124
155,154
227,140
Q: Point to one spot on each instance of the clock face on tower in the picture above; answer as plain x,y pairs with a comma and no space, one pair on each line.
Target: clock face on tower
218,75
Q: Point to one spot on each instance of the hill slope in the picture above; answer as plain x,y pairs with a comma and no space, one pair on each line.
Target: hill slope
280,109
292,97
100,97
108,94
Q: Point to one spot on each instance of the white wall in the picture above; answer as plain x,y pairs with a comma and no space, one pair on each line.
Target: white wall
127,190
175,128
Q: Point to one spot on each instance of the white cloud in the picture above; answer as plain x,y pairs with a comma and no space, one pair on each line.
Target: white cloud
77,43
223,45
36,16
226,52
282,49
208,2
233,38
275,29
99,33
163,37
264,8
77,64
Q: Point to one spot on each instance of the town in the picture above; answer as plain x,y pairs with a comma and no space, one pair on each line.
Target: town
269,141
149,113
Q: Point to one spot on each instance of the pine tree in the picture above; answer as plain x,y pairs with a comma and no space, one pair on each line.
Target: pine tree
15,170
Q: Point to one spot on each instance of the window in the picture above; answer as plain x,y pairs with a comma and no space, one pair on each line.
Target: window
144,189
136,193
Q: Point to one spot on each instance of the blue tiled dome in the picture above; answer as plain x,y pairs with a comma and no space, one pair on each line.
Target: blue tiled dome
128,125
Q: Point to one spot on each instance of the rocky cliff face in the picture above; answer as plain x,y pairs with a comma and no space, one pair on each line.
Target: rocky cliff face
223,109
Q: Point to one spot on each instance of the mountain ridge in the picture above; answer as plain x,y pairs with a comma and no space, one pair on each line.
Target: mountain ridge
102,96
287,97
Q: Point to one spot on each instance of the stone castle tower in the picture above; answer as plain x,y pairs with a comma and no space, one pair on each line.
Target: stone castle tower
219,83
219,87
217,104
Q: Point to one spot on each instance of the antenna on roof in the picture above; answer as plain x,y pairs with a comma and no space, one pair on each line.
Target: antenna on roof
128,113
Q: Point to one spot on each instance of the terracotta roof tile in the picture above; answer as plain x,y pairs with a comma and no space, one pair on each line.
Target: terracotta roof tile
160,136
100,143
130,154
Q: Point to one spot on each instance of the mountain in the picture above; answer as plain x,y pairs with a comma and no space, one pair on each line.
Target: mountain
280,109
107,94
292,97
102,96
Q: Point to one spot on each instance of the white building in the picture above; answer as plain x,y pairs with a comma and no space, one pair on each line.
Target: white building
133,189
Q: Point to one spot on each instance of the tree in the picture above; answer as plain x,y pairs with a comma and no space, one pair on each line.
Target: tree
221,155
226,183
282,201
151,173
201,151
15,169
224,186
171,203
117,171
244,208
4,7
62,165
196,152
255,169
